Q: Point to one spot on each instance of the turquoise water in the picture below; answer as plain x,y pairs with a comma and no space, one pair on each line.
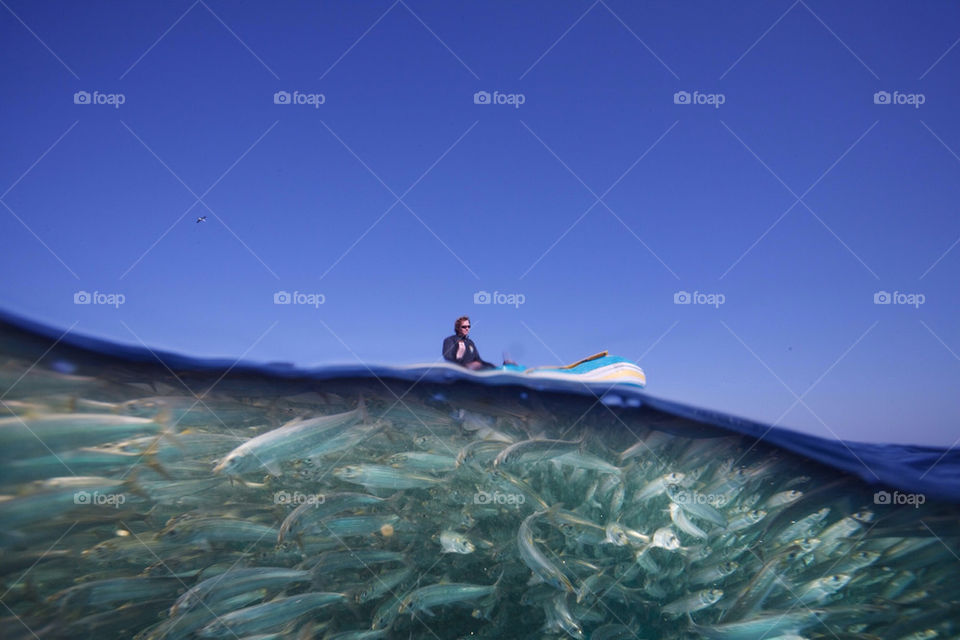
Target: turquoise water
196,499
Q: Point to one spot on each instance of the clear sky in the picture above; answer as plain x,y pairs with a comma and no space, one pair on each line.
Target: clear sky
780,162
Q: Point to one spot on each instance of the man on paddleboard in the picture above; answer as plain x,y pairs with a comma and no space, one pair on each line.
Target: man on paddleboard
460,349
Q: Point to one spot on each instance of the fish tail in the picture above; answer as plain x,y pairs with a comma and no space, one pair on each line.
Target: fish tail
354,607
551,512
496,585
130,484
149,458
152,462
394,500
164,419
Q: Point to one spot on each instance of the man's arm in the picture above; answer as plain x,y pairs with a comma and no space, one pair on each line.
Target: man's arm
450,349
477,358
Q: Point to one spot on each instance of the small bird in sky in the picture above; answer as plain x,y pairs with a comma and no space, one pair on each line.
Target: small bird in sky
201,219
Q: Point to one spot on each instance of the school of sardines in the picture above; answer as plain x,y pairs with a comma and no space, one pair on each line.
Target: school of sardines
134,510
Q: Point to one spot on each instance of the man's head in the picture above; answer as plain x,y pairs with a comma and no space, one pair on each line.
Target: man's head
462,326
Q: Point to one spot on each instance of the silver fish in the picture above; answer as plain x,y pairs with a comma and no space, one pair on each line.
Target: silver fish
422,461
269,615
817,591
307,515
234,582
422,600
693,602
383,583
375,476
535,560
454,542
715,573
683,523
659,486
296,439
26,436
537,450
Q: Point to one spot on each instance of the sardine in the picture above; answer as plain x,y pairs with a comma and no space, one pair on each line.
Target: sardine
454,542
693,602
422,600
375,476
535,560
269,615
296,439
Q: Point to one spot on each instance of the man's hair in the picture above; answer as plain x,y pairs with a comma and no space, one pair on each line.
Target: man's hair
460,320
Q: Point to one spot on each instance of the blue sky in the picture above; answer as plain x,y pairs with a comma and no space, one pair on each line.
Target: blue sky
780,162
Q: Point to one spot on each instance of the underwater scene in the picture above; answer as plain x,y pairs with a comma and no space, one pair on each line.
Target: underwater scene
158,497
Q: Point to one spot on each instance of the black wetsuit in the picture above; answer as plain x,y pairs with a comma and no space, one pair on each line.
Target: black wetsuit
470,353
